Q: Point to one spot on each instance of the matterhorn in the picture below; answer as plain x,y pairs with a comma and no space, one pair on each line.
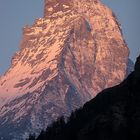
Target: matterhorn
65,58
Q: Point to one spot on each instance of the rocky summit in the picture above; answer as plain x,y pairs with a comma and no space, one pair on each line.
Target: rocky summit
75,51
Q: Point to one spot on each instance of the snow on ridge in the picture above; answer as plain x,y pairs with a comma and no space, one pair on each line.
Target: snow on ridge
10,83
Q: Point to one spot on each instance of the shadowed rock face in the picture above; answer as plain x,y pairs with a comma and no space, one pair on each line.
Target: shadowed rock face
130,67
65,59
56,6
114,114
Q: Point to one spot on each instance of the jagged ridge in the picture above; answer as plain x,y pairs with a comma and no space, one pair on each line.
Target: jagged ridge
65,59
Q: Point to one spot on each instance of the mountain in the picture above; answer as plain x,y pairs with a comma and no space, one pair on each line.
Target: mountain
114,114
75,51
130,67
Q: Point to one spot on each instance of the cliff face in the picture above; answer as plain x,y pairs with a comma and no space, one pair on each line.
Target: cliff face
112,115
65,59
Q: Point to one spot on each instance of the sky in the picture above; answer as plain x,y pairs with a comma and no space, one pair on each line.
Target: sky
15,14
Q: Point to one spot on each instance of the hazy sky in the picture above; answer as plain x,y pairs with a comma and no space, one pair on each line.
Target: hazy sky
15,14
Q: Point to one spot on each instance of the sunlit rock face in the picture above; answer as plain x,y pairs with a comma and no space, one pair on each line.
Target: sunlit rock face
65,59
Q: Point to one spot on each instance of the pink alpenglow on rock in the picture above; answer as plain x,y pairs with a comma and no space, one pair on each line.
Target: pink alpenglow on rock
75,51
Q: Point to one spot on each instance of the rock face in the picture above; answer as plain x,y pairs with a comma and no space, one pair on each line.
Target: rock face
130,67
114,114
65,59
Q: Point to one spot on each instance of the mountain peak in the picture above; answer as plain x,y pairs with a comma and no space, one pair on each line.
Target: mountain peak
66,58
54,6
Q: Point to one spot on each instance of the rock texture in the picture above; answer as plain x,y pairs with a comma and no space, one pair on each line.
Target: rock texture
65,59
114,114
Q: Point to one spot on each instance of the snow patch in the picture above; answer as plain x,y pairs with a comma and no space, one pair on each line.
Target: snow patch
65,6
50,9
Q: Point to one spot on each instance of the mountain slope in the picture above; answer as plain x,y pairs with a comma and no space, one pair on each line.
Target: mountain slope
112,115
130,67
65,59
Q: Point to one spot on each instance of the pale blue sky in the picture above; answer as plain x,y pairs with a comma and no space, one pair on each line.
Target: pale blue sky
15,14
